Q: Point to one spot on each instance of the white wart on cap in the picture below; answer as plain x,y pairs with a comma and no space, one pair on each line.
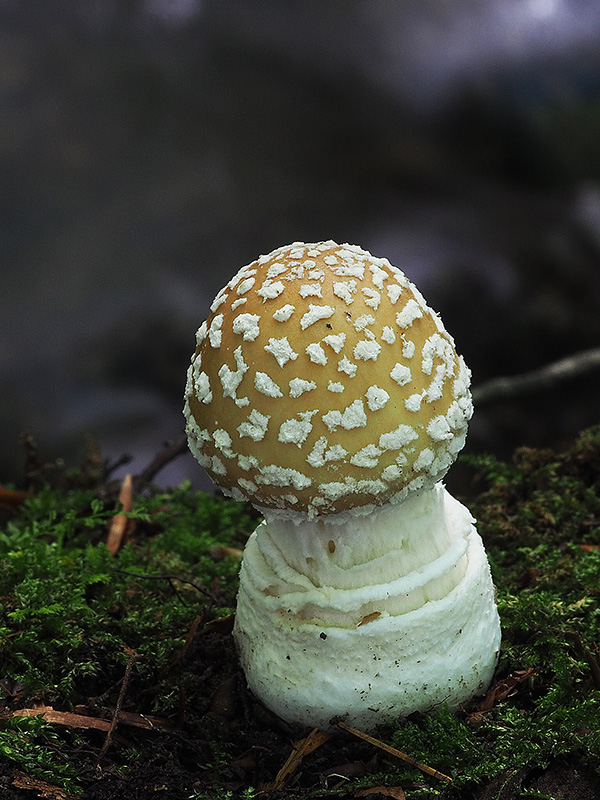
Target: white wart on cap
322,382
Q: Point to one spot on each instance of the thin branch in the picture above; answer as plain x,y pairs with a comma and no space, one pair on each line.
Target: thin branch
189,639
509,388
170,578
113,466
168,454
121,697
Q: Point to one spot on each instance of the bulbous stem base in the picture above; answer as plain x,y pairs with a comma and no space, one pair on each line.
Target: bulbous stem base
368,619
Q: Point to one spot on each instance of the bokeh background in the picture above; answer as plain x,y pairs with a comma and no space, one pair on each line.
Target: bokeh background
150,148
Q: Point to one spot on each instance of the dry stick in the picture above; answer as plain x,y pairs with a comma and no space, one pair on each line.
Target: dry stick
117,529
509,388
42,789
398,753
115,720
170,453
72,720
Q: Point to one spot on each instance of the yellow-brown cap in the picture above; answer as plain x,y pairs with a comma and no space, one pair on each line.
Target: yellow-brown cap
322,382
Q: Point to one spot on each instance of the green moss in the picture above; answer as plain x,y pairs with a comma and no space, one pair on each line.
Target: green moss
35,748
539,517
73,615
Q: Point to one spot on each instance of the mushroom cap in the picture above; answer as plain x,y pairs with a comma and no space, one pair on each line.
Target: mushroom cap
322,382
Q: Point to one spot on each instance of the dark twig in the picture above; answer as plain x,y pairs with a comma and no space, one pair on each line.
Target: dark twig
168,454
115,719
171,579
189,639
113,466
565,369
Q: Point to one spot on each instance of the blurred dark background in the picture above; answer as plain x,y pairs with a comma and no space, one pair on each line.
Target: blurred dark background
150,148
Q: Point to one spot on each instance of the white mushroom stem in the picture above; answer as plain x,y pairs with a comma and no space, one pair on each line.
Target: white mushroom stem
368,618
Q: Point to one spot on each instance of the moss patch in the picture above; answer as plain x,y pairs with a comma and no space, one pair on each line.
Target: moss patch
148,631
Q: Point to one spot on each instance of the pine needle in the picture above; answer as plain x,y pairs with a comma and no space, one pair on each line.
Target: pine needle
393,752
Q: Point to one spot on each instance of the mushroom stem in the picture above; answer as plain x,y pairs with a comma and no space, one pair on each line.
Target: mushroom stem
367,617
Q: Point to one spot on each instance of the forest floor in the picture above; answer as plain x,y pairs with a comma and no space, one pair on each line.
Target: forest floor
119,678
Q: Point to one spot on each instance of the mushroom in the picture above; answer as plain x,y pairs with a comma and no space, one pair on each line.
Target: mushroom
327,393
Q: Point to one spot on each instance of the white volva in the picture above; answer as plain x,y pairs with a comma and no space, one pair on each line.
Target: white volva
367,618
